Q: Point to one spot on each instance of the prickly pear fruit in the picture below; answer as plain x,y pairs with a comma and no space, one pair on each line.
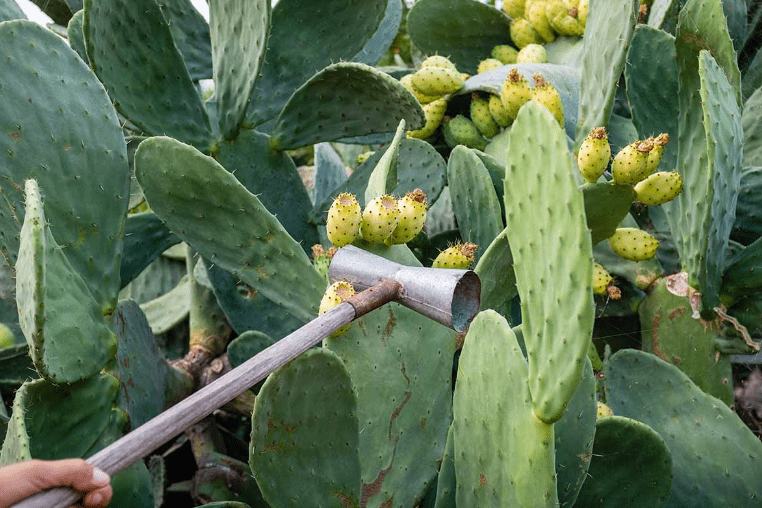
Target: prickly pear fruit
582,10
523,33
482,118
462,131
601,279
438,61
536,15
514,8
498,112
633,244
6,336
659,188
343,223
547,95
515,93
411,218
459,256
407,82
629,165
334,295
532,53
594,154
437,80
379,219
321,259
363,157
505,53
654,156
488,64
604,410
434,112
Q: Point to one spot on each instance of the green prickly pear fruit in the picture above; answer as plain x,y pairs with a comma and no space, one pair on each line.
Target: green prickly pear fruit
515,93
498,112
601,279
604,410
582,9
547,95
594,154
333,296
523,33
344,217
633,244
488,64
321,259
462,131
629,165
6,336
482,117
532,53
654,156
434,113
659,188
459,256
536,14
407,82
438,61
505,53
437,80
412,217
379,219
513,8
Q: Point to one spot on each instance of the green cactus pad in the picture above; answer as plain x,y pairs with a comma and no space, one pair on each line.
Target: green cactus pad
715,457
343,100
743,276
608,31
247,345
606,204
166,311
492,404
384,178
59,421
330,172
133,487
9,11
304,437
495,270
446,482
552,262
190,31
274,179
230,227
652,85
239,31
384,36
76,36
161,98
304,39
60,11
15,365
67,334
752,130
748,225
80,163
472,29
631,466
145,238
474,200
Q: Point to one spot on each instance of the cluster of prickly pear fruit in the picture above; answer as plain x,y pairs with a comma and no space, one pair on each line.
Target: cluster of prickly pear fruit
541,21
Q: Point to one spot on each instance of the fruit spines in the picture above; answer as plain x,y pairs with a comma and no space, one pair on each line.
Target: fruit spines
411,218
594,154
379,219
659,188
344,218
633,244
459,256
333,296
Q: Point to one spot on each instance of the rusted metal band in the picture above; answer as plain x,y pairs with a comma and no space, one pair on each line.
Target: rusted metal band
374,297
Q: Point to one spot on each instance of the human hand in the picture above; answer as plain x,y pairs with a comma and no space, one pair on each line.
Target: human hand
21,480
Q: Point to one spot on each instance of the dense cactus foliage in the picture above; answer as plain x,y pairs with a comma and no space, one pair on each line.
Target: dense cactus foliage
595,163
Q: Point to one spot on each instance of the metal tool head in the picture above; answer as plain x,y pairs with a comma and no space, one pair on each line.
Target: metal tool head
450,297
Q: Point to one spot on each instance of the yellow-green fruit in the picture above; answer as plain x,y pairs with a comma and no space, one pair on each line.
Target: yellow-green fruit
321,259
407,82
601,279
604,410
547,95
458,256
505,53
582,12
363,157
333,296
532,53
379,219
515,93
536,15
437,80
6,336
633,244
523,33
343,224
488,64
654,156
659,188
462,131
482,117
498,112
434,113
629,165
594,154
438,61
411,218
513,8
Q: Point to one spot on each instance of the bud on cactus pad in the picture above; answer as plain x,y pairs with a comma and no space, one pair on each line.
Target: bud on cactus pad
633,244
547,95
437,80
659,188
654,156
334,295
594,154
411,218
462,131
505,53
515,93
488,64
532,53
459,256
438,61
482,118
343,223
604,410
498,112
523,33
601,279
434,113
629,165
379,219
